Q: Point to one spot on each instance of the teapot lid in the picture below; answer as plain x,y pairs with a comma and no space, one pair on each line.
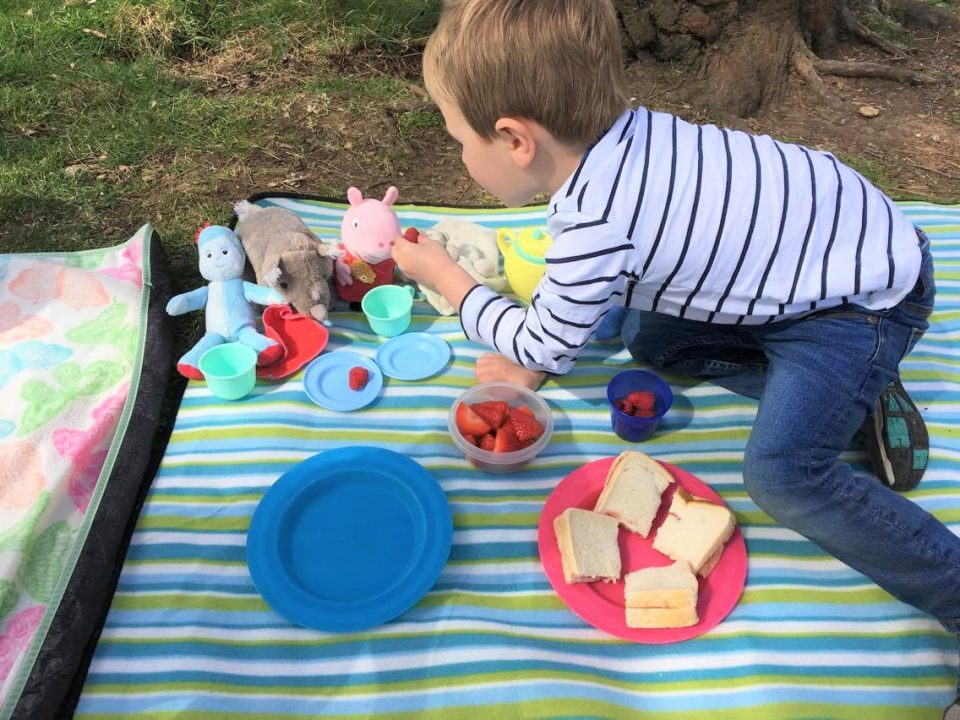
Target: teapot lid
533,246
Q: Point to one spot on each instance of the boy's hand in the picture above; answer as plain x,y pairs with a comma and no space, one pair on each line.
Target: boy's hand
422,261
428,263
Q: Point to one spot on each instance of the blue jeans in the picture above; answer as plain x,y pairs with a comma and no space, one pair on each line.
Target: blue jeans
816,378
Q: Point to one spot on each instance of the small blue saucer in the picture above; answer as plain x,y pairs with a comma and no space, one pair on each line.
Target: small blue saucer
349,539
327,381
413,356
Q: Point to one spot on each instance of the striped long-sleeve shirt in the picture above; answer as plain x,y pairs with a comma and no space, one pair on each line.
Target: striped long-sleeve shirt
703,223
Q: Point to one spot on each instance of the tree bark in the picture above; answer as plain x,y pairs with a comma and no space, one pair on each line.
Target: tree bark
738,54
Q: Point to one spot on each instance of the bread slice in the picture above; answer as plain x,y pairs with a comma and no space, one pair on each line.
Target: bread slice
662,617
670,586
711,563
631,493
693,530
588,545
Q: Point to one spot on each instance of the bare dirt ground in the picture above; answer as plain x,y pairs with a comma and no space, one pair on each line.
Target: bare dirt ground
911,148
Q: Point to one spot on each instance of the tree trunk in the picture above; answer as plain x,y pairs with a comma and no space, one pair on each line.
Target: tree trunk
739,53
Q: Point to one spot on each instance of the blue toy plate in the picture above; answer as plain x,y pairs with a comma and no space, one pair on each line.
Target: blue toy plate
349,539
413,356
326,381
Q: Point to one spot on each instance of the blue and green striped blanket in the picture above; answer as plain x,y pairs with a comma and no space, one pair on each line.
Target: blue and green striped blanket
188,637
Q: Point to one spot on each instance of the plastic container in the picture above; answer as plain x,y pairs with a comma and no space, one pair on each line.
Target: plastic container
230,370
514,395
388,308
630,427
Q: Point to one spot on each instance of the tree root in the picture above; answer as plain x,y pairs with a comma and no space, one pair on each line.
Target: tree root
869,70
858,29
804,62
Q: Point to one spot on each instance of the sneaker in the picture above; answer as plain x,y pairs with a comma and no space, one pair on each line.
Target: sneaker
896,439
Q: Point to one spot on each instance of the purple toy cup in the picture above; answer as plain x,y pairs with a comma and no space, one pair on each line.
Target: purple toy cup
629,427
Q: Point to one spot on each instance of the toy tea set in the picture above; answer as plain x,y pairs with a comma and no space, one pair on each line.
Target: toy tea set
308,555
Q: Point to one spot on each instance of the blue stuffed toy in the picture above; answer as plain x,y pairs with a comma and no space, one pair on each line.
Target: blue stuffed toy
229,315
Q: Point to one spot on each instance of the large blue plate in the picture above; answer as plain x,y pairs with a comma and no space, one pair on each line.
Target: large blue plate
349,539
413,356
326,381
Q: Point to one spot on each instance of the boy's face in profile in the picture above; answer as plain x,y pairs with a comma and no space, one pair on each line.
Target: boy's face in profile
491,163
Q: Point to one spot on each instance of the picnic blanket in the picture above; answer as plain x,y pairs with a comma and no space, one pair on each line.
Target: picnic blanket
189,638
84,357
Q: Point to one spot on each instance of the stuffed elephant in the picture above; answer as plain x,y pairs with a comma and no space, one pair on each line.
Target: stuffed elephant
288,257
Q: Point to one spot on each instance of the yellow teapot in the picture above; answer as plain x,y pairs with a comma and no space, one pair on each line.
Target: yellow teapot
523,258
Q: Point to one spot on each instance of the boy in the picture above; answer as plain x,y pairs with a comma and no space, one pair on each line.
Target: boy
769,266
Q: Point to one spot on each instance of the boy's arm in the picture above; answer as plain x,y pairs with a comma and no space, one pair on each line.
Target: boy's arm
428,262
587,274
587,271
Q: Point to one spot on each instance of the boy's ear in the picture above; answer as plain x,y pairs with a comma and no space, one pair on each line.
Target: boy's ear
520,137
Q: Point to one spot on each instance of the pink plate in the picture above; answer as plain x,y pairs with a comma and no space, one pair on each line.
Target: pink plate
602,604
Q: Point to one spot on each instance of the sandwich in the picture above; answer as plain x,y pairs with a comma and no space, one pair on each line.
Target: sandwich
661,597
632,491
588,546
694,532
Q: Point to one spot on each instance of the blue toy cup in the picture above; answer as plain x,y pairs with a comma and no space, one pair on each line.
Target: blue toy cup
230,370
388,308
628,427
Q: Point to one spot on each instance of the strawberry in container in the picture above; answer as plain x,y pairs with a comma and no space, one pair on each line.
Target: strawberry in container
638,401
500,427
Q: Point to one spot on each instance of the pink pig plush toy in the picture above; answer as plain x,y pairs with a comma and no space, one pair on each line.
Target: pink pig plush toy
368,232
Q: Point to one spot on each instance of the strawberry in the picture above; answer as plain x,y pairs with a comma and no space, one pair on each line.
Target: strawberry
619,404
493,412
412,234
627,407
505,441
470,439
525,424
640,412
642,399
469,423
357,377
523,410
487,442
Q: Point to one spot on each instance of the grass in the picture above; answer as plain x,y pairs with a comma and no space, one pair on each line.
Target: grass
117,112
114,113
139,111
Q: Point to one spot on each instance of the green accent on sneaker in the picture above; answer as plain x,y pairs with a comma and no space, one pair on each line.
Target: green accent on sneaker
919,459
898,436
894,404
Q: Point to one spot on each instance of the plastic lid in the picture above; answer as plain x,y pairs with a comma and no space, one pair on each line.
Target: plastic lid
533,246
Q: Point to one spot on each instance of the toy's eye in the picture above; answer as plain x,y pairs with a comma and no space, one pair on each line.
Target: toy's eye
225,251
209,255
356,224
379,244
391,243
283,284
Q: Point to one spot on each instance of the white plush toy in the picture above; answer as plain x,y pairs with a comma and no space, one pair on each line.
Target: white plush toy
474,247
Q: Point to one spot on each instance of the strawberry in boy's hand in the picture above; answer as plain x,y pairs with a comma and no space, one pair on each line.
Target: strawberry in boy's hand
357,377
411,234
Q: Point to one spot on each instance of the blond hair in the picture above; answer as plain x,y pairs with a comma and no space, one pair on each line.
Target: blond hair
556,62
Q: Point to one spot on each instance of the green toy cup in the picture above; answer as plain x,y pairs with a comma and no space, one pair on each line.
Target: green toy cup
388,308
230,370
